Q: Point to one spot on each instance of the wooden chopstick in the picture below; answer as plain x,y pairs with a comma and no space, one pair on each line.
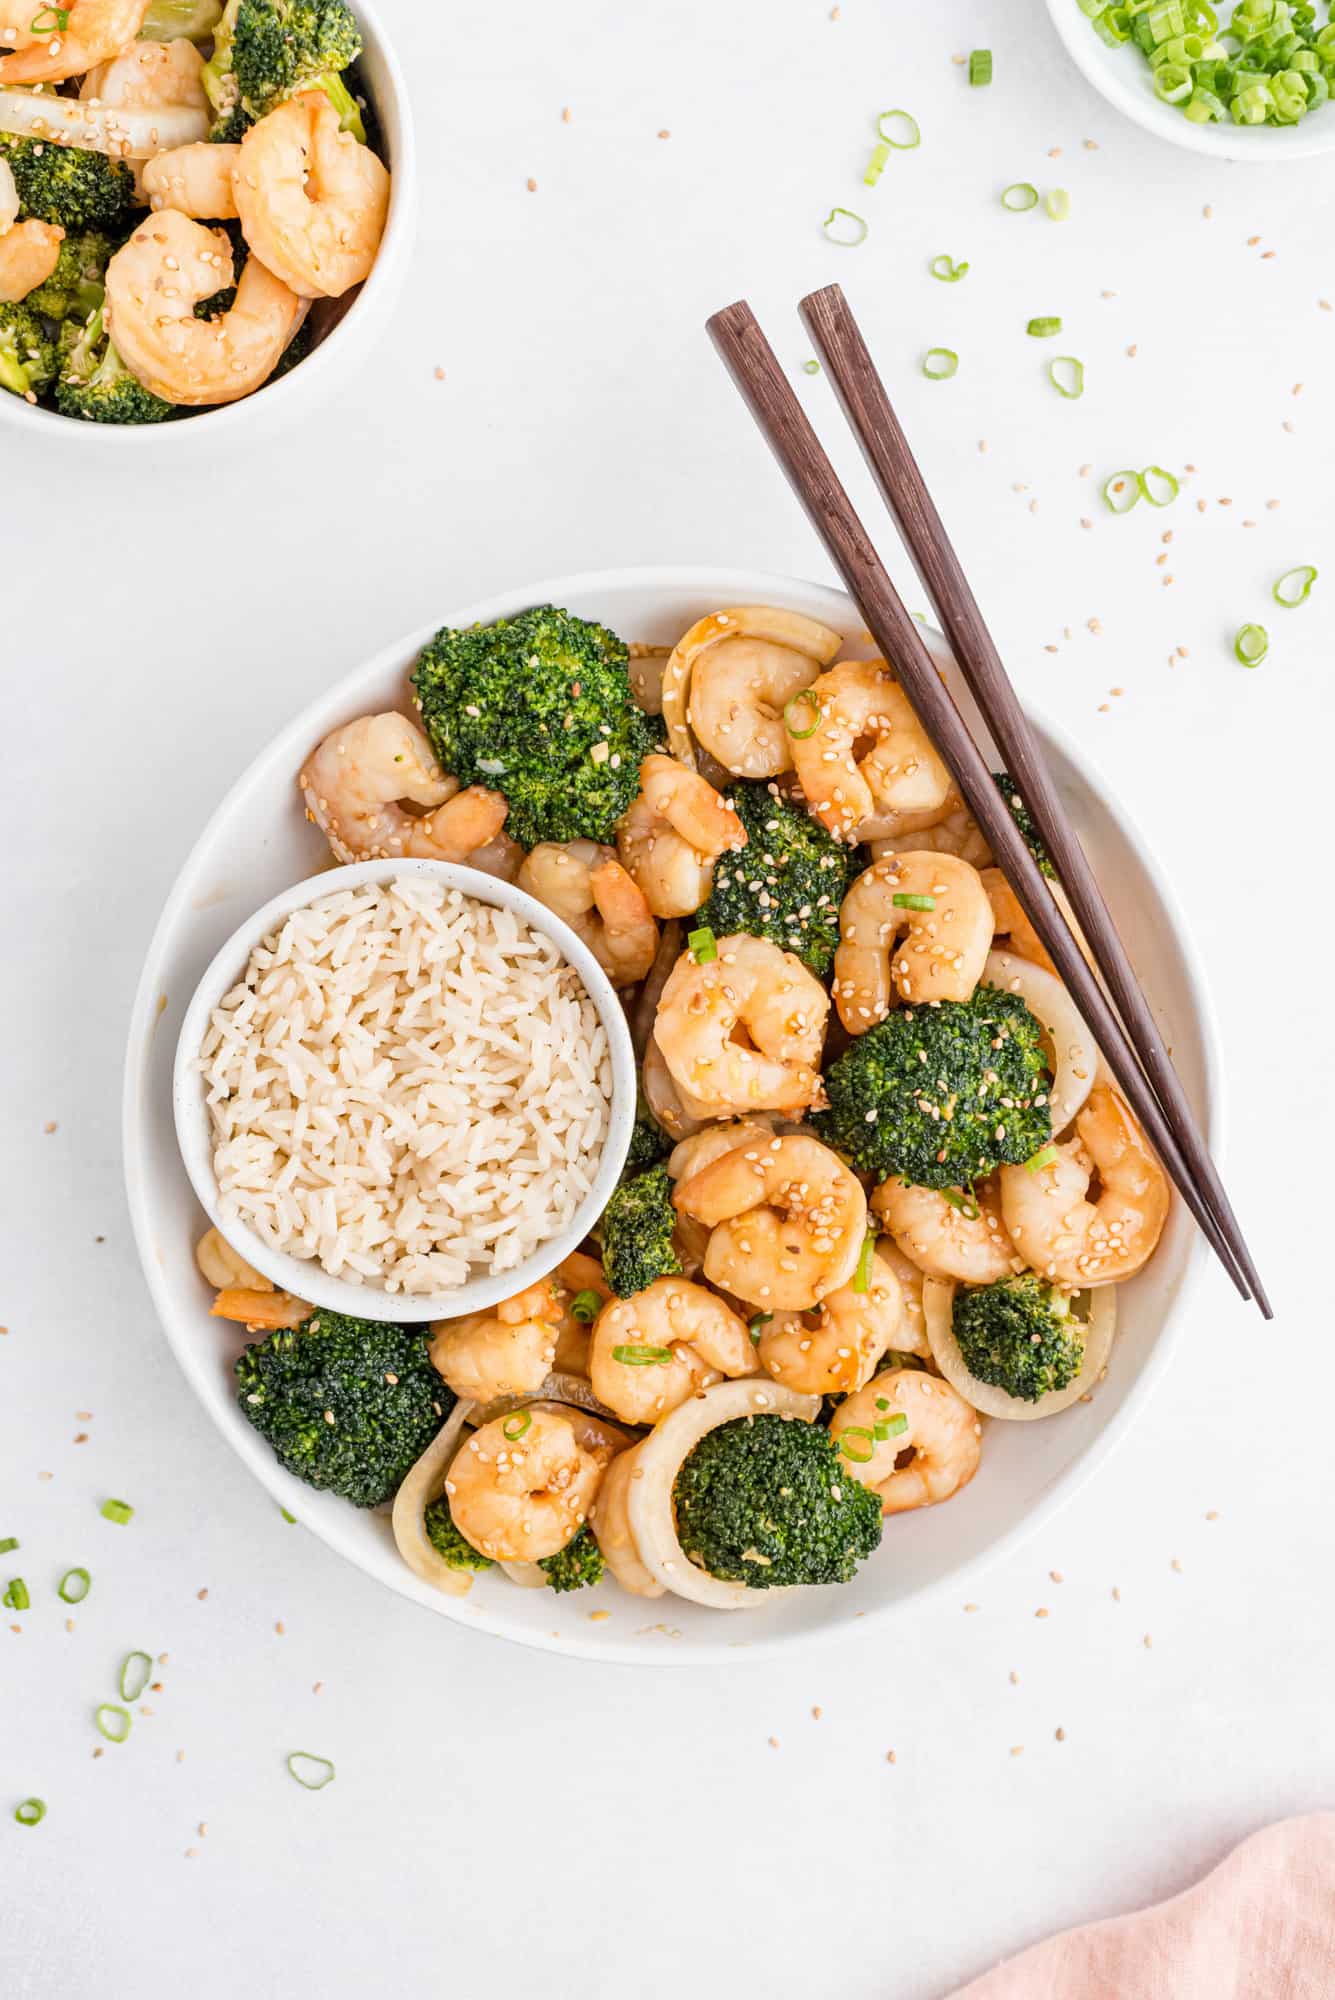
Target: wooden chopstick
862,394
767,392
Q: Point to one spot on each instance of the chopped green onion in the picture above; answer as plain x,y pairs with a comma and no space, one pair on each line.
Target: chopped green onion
1043,329
1019,197
74,1586
1295,586
862,1276
811,368
754,1325
947,270
1159,487
853,228
906,134
112,1722
31,1813
515,1425
16,1598
136,1673
1041,1159
1070,385
586,1306
1058,204
1121,491
311,1773
965,1203
876,164
639,1356
119,1511
10,1543
702,945
812,700
49,21
882,1402
859,1431
1251,645
291,1519
903,902
940,363
980,67
893,1427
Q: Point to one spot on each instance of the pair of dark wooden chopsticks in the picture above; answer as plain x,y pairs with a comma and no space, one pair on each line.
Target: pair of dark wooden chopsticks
1134,1051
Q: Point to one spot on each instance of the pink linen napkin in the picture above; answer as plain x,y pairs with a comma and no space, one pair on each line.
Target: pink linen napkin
1261,1926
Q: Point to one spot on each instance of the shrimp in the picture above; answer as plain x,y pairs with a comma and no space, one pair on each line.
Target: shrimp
506,1352
652,1351
729,680
225,1268
521,1498
755,990
29,253
832,1349
80,35
197,180
949,1233
663,1097
900,773
953,831
151,76
912,1335
354,781
673,834
943,1434
787,1221
1064,1236
1009,920
690,1238
586,885
577,1273
260,1310
312,200
945,949
154,283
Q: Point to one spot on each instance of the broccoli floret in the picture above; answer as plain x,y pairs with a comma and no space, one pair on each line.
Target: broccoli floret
264,51
636,1231
27,352
230,127
537,707
75,288
940,1095
579,1564
786,884
446,1540
1006,785
348,1405
94,383
649,1144
767,1501
70,185
1020,1335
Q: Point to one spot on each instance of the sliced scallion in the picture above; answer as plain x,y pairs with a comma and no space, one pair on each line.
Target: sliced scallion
863,1434
74,1586
1019,197
1041,1159
966,1205
31,1813
16,1597
980,67
9,1544
1057,202
811,368
1295,586
1121,491
1043,329
903,134
844,229
904,902
890,1427
112,1721
810,700
702,945
1067,376
136,1673
119,1511
311,1773
586,1306
1251,645
515,1425
1160,487
637,1355
947,270
940,363
876,164
754,1325
862,1276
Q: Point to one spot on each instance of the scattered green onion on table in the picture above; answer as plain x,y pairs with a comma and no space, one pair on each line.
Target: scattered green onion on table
1295,586
940,363
1251,645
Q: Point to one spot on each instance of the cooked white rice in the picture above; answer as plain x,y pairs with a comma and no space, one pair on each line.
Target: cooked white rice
408,1086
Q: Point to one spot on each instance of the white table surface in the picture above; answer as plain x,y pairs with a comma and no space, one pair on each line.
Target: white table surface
510,1822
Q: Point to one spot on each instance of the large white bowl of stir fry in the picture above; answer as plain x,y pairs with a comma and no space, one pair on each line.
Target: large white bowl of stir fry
890,1266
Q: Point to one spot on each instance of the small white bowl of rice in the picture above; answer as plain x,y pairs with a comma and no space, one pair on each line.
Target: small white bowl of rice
404,1090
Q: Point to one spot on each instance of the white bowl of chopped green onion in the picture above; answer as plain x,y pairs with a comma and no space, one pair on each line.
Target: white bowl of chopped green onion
1244,80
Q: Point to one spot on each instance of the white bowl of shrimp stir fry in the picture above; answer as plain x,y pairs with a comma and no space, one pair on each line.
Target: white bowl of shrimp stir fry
200,200
890,1266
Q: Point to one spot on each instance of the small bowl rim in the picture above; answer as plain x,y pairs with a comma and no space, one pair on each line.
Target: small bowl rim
306,1278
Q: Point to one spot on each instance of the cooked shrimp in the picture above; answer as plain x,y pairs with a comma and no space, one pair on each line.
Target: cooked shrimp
151,76
354,781
81,34
956,1233
197,180
260,1309
577,1273
506,1352
787,1221
585,884
29,253
652,1351
912,1335
953,830
730,678
755,990
856,701
154,283
225,1268
673,834
1058,1231
1009,920
945,947
700,1149
943,1434
312,200
833,1348
518,1499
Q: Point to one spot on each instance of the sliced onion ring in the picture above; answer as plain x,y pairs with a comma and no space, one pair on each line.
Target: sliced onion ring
527,1575
9,198
660,1459
423,1485
747,621
938,1300
125,135
610,1520
558,1389
1075,1054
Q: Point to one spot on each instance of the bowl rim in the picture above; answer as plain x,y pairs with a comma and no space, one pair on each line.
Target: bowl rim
280,398
722,585
1254,143
307,1279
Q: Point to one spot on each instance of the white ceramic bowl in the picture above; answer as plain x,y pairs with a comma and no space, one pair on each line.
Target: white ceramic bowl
345,329
258,842
1122,76
310,1280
